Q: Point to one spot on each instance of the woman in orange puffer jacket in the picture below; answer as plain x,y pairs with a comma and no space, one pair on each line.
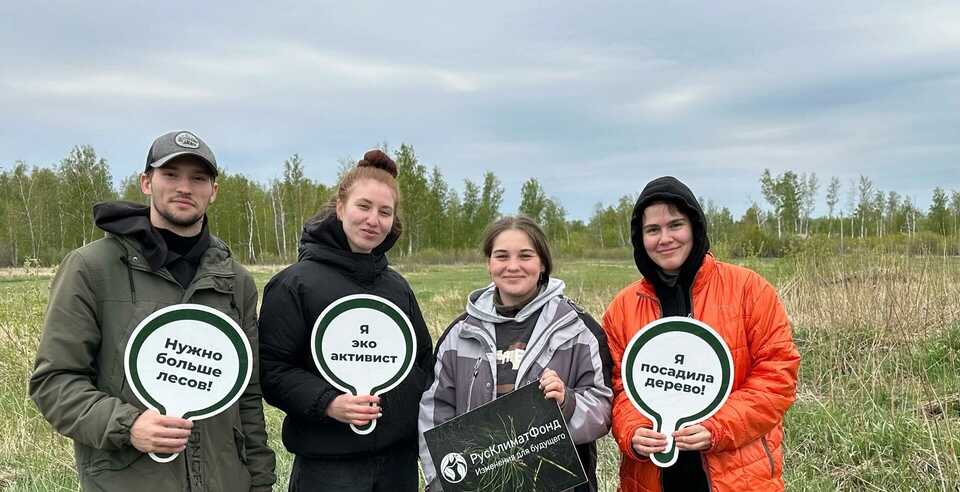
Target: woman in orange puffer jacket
740,447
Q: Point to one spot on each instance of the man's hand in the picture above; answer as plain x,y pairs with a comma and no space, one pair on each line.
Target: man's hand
155,433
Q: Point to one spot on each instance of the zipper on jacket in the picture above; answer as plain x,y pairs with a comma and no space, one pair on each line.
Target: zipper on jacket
133,288
766,449
545,345
476,370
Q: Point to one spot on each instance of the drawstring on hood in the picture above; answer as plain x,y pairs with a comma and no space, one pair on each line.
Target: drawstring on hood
324,241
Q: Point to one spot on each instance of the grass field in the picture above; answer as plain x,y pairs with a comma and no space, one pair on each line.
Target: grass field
878,405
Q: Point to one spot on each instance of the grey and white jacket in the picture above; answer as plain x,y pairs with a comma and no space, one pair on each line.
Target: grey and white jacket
565,339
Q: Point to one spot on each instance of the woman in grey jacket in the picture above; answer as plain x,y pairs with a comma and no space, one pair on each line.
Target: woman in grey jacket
518,330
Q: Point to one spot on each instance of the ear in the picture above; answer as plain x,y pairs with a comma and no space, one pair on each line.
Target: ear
216,188
340,207
145,183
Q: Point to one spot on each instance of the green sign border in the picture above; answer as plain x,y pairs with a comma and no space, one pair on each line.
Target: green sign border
191,312
670,325
370,302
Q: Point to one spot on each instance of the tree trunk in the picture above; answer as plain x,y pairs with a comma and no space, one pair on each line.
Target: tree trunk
252,255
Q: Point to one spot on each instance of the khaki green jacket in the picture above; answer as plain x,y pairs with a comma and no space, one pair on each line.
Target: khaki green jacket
99,295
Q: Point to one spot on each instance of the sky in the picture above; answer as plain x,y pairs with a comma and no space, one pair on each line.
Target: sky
593,99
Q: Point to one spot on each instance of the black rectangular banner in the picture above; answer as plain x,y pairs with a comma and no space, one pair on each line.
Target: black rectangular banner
516,442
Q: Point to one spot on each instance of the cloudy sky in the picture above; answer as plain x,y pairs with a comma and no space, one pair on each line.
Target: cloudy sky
592,98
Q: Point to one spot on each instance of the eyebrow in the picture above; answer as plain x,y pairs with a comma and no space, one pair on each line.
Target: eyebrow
524,250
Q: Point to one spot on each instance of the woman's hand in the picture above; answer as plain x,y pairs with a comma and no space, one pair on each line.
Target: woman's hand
693,438
552,386
647,441
356,410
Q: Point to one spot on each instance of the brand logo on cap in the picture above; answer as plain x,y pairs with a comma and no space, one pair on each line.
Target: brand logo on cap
187,140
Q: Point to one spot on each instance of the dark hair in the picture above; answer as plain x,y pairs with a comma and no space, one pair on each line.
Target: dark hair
375,165
672,206
533,231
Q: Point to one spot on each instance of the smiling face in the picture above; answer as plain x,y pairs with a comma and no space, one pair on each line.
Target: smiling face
514,266
667,236
180,192
367,214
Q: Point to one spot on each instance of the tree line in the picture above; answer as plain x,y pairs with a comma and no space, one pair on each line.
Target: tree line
45,211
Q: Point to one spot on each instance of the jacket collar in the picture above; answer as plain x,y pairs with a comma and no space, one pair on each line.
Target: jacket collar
216,260
325,242
557,310
480,303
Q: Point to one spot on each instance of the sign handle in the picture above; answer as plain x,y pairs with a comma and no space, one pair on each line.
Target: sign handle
668,456
364,429
164,458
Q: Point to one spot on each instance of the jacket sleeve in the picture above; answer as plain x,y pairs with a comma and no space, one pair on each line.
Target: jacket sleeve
284,338
261,460
754,408
439,402
586,405
401,404
626,418
63,383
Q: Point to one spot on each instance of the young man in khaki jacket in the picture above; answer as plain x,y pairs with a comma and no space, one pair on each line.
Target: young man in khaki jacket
152,256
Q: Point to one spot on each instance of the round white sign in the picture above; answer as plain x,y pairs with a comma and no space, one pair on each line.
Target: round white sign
363,345
189,361
677,372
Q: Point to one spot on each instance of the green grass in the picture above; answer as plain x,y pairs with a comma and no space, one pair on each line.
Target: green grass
878,403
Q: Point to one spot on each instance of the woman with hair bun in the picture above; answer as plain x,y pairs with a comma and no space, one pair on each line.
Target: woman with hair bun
342,252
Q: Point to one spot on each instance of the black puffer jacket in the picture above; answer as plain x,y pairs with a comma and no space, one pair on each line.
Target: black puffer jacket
326,271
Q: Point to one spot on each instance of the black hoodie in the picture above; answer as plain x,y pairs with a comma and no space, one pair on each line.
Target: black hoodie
687,473
293,299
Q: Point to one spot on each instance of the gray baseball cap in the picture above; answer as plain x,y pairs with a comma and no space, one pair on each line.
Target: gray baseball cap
176,144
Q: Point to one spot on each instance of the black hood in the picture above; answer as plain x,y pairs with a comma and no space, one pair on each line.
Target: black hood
132,219
324,241
669,189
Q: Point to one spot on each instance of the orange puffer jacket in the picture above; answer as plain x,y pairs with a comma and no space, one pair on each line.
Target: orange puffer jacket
746,451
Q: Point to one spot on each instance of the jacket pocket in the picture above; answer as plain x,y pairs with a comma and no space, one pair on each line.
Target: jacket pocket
240,440
99,460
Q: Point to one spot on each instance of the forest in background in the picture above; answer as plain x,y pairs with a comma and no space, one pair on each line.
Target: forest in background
46,212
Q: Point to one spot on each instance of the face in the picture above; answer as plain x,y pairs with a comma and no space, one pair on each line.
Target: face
514,266
667,236
180,193
367,214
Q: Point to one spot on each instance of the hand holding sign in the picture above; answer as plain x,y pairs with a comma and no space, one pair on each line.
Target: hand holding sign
189,361
678,372
363,345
